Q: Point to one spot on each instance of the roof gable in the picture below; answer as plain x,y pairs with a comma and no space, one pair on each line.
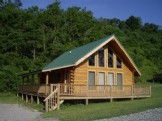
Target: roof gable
78,55
74,56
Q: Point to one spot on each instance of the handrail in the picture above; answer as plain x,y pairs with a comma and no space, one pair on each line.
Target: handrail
49,96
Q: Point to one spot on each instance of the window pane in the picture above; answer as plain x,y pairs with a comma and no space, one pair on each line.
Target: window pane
101,80
92,60
110,58
101,57
111,79
118,62
91,81
119,81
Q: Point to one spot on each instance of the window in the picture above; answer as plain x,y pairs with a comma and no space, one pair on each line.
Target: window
101,80
119,81
92,60
111,80
110,58
118,62
101,57
91,81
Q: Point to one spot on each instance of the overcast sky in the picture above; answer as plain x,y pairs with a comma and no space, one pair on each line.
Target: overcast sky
148,10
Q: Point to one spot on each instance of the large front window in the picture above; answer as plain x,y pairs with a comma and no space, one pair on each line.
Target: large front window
110,58
101,57
101,80
118,62
119,81
91,80
92,60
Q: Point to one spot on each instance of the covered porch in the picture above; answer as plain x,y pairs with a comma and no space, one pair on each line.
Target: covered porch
55,94
56,86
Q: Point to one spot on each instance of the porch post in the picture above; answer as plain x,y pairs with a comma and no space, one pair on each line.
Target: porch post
86,101
32,79
22,80
47,81
132,92
58,97
38,78
27,80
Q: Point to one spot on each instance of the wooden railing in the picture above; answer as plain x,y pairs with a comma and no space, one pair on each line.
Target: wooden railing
92,90
52,101
37,89
104,90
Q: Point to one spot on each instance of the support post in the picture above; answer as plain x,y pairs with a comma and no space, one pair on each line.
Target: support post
26,98
132,92
58,97
47,81
111,100
110,91
22,96
86,101
31,98
46,105
150,90
38,100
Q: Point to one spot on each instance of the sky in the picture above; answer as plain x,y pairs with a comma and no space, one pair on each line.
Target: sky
149,11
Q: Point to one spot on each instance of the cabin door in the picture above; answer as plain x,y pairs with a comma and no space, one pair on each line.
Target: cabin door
101,80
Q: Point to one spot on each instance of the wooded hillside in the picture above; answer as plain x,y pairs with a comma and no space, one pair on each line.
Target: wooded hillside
31,38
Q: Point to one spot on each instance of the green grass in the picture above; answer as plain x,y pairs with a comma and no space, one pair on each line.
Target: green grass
11,98
95,111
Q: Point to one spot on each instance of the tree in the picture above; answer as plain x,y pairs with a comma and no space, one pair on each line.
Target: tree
134,23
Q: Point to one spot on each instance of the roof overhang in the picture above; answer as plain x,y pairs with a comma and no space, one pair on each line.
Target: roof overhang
67,66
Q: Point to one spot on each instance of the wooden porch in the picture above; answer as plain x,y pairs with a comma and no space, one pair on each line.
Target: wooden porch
55,94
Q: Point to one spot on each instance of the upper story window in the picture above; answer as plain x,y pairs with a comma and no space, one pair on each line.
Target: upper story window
118,62
92,60
110,58
101,57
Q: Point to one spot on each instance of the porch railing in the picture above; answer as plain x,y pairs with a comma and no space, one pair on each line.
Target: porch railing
92,90
38,89
104,90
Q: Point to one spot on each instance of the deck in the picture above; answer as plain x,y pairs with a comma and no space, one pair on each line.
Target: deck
56,93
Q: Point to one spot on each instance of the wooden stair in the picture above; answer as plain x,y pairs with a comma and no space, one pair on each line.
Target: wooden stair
52,101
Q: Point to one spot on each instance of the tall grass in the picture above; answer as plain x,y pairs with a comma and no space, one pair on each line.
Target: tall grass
107,110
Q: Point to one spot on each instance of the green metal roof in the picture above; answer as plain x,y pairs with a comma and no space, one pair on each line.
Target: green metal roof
70,58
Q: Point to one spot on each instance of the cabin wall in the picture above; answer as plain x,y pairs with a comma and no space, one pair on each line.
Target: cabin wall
82,70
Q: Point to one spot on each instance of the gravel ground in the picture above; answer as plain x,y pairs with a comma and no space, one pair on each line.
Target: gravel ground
15,112
149,115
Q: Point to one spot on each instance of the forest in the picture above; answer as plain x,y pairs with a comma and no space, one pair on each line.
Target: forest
31,38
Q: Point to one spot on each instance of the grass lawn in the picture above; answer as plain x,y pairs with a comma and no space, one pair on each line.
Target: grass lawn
10,98
95,111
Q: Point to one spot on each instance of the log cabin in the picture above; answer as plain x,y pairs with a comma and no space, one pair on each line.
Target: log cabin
101,69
